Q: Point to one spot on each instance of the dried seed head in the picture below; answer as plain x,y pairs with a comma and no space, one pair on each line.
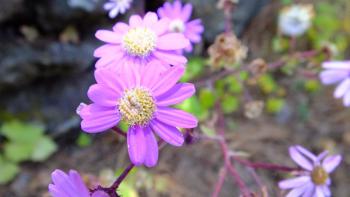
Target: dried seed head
253,109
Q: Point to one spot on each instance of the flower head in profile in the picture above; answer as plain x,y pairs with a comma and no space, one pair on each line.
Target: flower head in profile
70,185
315,179
140,96
180,21
117,6
142,41
338,72
295,20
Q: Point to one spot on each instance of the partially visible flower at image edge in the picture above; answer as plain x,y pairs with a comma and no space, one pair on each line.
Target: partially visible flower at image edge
314,180
180,21
70,185
144,40
140,96
117,6
295,20
338,72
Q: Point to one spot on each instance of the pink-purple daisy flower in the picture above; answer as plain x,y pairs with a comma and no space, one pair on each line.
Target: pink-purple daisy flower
70,185
179,16
140,96
338,72
142,41
314,180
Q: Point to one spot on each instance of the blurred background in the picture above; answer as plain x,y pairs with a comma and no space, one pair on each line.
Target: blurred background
47,64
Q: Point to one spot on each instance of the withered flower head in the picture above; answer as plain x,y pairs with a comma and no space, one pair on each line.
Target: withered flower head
253,109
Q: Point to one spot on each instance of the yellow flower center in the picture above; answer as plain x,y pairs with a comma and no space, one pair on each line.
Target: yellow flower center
319,176
177,26
137,106
139,41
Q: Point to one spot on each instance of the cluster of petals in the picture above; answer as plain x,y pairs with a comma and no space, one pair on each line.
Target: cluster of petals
314,180
117,6
179,16
142,41
106,111
338,72
70,185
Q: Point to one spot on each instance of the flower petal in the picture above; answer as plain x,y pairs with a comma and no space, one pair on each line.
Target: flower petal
136,145
331,162
97,118
319,192
186,12
176,118
172,41
170,57
294,182
151,73
333,76
110,79
326,190
161,26
346,99
108,36
342,88
168,133
135,21
307,153
297,192
150,19
167,80
103,96
121,27
110,49
337,65
176,94
78,183
299,158
151,157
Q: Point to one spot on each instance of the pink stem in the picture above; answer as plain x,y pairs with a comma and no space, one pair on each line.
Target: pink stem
220,182
267,166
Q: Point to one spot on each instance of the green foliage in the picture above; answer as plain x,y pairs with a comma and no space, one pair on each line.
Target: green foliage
25,142
206,98
84,140
8,170
274,105
229,104
193,105
286,2
127,187
267,84
194,67
312,86
280,44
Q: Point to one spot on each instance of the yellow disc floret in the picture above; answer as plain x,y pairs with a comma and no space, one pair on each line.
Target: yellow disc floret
137,106
319,176
139,41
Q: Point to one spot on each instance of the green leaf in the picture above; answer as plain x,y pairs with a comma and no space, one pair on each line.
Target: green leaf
312,86
286,2
234,86
8,171
127,190
229,104
84,140
194,67
43,149
21,132
274,105
267,84
280,44
18,152
193,106
206,98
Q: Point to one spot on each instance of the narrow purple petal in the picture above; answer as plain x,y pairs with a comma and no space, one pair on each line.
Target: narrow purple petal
294,182
121,27
297,192
176,118
300,159
172,41
97,118
161,26
170,58
107,59
151,157
130,75
136,145
177,8
342,88
108,36
319,192
135,21
337,65
176,94
346,99
186,12
326,190
307,153
331,162
168,133
309,190
150,74
78,182
103,96
322,155
150,19
167,80
333,76
110,49
110,79
63,183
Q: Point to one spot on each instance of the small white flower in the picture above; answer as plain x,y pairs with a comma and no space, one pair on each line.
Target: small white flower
117,6
295,20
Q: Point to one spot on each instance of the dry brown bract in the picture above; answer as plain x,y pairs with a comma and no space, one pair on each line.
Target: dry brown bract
226,50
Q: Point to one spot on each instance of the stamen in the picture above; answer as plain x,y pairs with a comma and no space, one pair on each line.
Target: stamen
137,106
139,41
319,175
177,26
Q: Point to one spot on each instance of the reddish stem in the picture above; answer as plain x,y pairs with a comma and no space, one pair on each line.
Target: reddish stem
119,131
220,182
267,166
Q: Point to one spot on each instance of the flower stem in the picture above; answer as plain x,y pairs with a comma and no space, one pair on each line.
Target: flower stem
267,166
119,131
220,182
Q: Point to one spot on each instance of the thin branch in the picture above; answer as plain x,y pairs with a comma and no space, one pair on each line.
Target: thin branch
220,182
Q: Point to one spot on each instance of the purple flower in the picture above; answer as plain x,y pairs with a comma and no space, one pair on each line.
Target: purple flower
314,181
179,21
140,96
338,72
70,185
117,6
142,41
